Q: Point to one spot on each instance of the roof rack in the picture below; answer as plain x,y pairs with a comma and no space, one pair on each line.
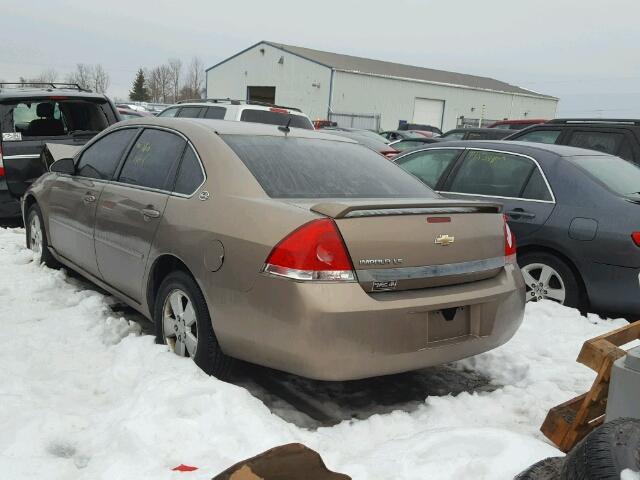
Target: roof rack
621,121
210,100
51,85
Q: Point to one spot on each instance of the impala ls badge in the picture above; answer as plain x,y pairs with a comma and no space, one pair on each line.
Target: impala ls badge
445,240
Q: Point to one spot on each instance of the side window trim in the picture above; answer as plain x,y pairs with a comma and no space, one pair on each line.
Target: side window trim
454,172
125,152
141,129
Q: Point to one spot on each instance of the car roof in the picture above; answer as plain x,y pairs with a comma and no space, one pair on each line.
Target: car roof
244,106
228,127
525,148
31,92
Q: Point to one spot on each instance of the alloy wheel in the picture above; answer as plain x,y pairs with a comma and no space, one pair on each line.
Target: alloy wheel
179,324
35,235
543,283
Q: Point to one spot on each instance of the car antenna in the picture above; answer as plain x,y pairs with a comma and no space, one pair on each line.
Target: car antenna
285,128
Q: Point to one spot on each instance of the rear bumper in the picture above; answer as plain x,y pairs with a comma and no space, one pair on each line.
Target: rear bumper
613,288
339,332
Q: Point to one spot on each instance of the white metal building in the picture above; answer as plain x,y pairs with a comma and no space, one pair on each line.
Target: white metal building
369,93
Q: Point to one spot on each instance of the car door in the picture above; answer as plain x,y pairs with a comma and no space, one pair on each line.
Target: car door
131,208
430,166
514,180
73,198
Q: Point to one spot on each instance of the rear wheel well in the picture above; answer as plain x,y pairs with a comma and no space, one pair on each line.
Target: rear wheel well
163,266
540,249
29,201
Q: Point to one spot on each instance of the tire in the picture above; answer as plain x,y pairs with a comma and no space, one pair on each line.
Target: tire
533,265
605,453
37,240
179,290
547,469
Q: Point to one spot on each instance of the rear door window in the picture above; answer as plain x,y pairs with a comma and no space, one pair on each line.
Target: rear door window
496,174
275,118
314,168
101,158
607,142
169,112
454,136
428,165
190,112
153,160
216,113
540,136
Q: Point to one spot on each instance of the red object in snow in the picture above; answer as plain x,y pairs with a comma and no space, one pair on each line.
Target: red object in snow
184,468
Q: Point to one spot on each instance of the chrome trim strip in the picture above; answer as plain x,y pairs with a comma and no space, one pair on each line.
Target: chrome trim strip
429,271
15,157
544,177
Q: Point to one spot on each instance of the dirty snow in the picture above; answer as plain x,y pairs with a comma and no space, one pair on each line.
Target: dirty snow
83,395
630,475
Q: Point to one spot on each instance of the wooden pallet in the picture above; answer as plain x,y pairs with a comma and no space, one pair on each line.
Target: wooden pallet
570,422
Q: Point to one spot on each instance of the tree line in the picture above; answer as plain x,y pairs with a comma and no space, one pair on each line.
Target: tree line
88,77
169,83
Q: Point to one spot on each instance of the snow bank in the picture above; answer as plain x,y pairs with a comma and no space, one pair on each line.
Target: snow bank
83,395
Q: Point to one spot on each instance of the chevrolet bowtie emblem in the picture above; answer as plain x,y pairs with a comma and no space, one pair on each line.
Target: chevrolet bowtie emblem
445,240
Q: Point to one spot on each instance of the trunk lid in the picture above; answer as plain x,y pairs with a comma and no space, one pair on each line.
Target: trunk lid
402,245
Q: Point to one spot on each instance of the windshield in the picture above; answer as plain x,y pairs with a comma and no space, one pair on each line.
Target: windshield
314,168
55,117
616,174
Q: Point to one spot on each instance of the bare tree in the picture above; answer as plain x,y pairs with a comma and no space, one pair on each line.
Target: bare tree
152,84
175,67
83,76
100,79
47,76
195,78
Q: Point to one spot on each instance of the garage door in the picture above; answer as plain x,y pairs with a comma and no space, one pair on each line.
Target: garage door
428,112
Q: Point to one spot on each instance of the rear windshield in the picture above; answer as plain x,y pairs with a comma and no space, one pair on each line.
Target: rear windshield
616,174
51,117
314,168
275,118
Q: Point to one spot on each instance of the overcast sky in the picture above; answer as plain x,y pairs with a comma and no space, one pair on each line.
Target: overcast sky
583,51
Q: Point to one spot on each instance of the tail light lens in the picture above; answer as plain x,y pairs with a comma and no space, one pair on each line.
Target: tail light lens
1,163
509,243
315,251
636,238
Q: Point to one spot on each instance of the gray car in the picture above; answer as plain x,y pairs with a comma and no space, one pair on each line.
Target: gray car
575,214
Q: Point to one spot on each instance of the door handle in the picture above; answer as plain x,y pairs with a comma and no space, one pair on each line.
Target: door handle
520,213
148,213
89,198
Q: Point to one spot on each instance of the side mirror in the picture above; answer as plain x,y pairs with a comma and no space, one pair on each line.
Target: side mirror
64,165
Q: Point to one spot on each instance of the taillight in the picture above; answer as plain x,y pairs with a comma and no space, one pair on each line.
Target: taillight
509,243
1,163
279,110
636,238
315,251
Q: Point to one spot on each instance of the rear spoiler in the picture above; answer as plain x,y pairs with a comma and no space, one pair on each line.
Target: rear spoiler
344,210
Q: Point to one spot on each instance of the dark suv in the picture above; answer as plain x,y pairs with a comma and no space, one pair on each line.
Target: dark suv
614,136
34,114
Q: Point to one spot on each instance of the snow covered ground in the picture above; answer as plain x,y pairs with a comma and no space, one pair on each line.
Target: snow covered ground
84,395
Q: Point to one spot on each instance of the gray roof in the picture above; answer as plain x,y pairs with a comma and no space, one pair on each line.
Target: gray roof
398,70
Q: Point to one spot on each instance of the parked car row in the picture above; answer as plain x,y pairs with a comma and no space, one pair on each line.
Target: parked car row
242,232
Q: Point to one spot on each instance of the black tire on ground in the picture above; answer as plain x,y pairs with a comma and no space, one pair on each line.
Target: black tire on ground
209,357
45,254
605,453
547,469
574,296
